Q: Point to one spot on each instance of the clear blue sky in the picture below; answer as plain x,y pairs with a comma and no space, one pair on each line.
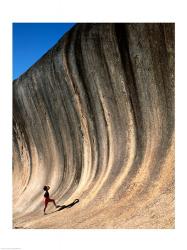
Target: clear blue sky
32,40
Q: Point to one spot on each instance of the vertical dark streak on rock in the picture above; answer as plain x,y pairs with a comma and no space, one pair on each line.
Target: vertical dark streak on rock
90,109
160,62
123,44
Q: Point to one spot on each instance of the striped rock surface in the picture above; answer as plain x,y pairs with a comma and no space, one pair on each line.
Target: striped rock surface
94,120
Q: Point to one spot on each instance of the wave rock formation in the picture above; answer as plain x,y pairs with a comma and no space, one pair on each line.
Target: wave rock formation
94,119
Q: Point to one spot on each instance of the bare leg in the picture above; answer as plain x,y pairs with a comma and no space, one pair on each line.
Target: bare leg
54,203
46,203
52,200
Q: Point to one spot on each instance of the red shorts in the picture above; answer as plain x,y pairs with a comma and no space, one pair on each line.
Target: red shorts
46,200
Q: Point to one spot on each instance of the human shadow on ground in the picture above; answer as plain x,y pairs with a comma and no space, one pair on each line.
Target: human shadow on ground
65,206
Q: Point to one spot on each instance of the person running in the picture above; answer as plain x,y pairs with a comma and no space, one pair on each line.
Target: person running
47,198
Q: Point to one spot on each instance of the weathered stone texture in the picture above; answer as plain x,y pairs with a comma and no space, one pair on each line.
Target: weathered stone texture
94,119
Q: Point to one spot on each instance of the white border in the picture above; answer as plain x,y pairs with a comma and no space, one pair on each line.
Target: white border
90,11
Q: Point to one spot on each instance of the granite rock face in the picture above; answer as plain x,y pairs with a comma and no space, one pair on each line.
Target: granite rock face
94,119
